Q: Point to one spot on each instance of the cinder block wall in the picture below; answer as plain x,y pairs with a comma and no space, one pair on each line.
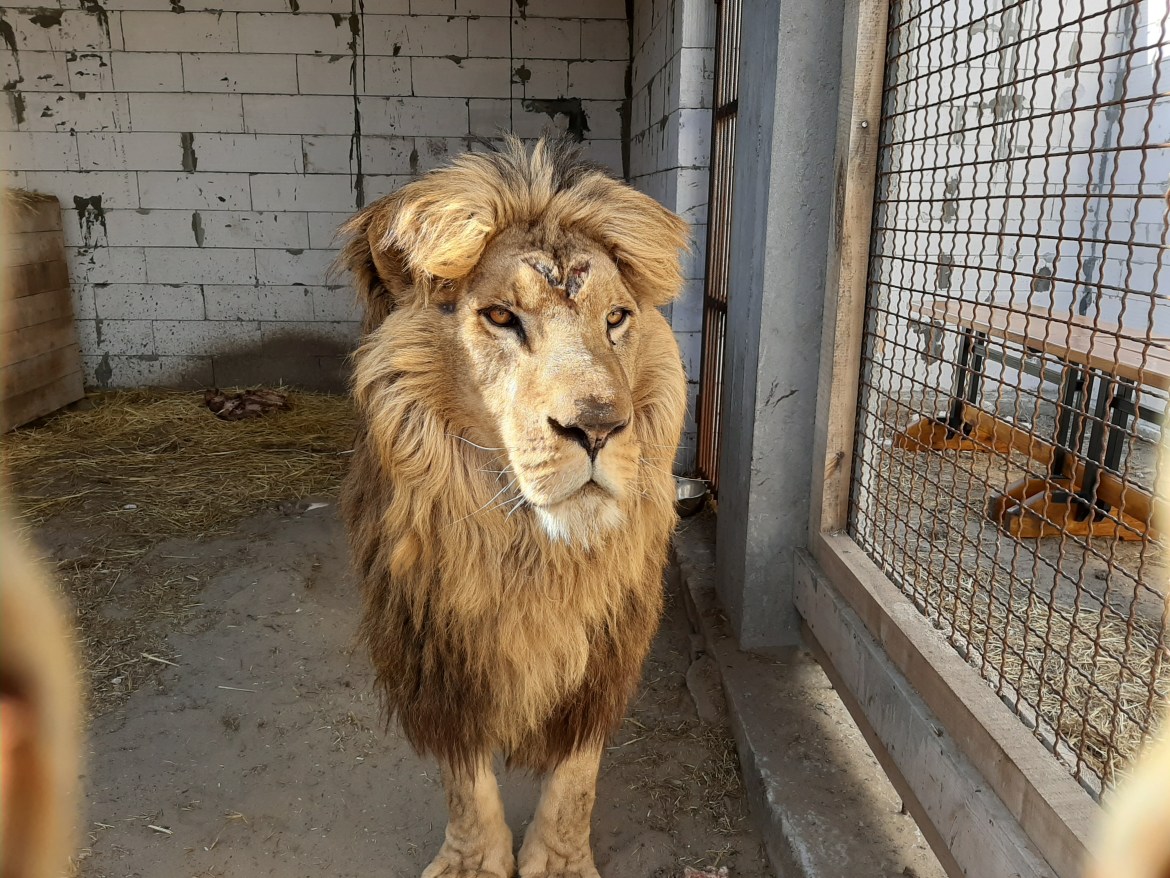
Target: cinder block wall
205,150
670,132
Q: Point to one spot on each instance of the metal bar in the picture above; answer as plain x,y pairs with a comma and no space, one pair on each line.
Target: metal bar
958,390
720,195
1096,450
728,109
975,383
1069,420
1122,411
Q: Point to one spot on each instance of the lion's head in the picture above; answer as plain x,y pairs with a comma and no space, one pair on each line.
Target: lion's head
516,295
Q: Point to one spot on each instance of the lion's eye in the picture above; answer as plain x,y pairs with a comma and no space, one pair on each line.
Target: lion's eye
617,317
498,316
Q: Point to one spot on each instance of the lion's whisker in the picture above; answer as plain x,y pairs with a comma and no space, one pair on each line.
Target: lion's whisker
648,461
499,505
472,444
489,502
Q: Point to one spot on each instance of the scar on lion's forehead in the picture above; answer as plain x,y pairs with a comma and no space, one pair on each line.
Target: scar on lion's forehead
570,281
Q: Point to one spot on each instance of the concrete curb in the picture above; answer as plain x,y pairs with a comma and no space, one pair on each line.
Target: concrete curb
823,804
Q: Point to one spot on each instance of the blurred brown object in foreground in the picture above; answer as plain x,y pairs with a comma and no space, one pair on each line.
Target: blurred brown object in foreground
39,719
1135,835
1135,842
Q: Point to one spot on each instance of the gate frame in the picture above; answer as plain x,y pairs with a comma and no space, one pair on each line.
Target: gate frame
988,796
716,271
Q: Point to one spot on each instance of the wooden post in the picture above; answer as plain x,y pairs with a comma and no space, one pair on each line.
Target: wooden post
862,78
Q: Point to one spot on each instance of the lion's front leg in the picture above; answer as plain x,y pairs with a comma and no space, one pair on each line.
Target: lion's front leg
556,845
478,843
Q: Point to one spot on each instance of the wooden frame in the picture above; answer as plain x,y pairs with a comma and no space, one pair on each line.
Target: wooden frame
40,361
881,652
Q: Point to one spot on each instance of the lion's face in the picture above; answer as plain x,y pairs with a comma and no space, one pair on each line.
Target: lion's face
551,334
511,303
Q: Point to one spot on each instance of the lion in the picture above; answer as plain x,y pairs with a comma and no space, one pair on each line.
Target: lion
510,500
1133,840
40,707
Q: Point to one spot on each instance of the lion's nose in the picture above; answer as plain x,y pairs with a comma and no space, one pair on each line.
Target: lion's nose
593,425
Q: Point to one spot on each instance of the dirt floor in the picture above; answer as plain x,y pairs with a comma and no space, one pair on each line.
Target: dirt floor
237,733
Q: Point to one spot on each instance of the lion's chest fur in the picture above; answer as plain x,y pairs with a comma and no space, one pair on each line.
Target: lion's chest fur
486,635
529,622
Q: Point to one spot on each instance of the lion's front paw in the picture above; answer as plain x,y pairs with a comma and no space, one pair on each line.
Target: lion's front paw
451,863
541,861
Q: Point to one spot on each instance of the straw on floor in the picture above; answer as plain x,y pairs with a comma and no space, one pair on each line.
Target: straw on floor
107,483
161,464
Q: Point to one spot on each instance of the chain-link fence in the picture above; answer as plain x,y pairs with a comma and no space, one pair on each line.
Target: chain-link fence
1017,355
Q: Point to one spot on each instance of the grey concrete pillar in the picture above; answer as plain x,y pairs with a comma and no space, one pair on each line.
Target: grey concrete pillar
790,70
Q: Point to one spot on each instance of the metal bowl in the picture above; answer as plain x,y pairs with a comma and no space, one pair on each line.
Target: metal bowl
690,495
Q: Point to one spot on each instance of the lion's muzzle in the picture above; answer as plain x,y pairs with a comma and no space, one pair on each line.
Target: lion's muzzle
594,423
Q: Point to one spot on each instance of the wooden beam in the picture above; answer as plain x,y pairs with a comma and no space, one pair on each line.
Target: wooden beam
1135,502
41,214
37,308
26,280
23,344
39,370
41,401
29,248
859,117
1055,812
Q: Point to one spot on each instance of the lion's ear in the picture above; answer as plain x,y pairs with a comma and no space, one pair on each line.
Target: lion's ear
380,276
644,237
435,228
441,223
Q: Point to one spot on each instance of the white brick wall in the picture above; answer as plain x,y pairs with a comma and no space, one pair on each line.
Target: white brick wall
205,159
670,132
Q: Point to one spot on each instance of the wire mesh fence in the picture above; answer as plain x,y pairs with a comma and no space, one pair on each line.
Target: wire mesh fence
1016,360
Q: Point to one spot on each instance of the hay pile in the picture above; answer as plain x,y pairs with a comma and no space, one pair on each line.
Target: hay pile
15,200
159,464
106,484
1112,675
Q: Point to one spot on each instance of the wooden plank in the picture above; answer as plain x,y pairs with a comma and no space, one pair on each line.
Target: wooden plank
1130,498
25,248
26,280
965,822
41,401
23,344
34,309
1055,812
41,215
39,370
859,116
1074,341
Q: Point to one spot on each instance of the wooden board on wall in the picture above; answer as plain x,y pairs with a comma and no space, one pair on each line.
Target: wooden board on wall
40,361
